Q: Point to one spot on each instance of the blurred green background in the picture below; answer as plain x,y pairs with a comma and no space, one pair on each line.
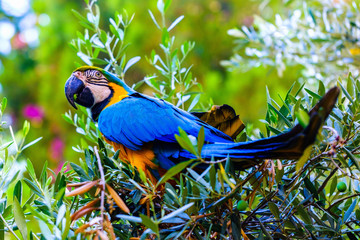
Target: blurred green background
36,60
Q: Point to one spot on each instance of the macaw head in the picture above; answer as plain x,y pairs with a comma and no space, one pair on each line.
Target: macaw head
90,86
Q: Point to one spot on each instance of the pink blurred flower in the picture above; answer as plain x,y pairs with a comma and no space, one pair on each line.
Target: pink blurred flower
57,149
33,112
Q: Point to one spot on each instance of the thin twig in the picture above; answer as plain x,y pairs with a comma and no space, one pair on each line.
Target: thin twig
7,225
102,199
327,179
342,199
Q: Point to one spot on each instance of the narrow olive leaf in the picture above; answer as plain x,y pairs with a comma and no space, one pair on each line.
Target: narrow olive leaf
66,229
333,185
352,157
79,170
303,117
185,141
149,223
287,122
81,190
154,19
313,94
161,6
81,212
304,158
61,214
174,171
45,231
321,89
129,218
303,214
349,211
33,187
311,187
177,212
175,22
200,140
274,210
18,191
131,62
225,177
3,104
346,93
31,143
121,204
2,232
137,186
20,218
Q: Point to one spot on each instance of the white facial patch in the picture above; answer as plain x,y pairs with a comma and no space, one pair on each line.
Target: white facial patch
100,93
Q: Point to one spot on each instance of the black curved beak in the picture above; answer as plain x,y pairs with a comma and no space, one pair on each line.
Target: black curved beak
73,86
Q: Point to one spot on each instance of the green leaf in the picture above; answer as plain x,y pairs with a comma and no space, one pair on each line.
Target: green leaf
79,171
165,37
61,214
154,19
161,6
3,104
26,128
131,62
287,122
129,218
20,218
79,16
67,225
31,143
200,140
177,212
148,222
349,211
313,94
175,22
34,188
303,117
310,186
346,93
45,231
185,142
304,158
333,185
30,169
303,214
2,232
352,157
274,210
167,4
18,191
173,171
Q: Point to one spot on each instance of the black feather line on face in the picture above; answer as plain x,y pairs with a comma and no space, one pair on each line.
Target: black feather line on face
99,84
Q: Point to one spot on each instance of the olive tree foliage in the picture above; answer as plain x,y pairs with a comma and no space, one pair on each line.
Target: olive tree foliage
314,197
319,37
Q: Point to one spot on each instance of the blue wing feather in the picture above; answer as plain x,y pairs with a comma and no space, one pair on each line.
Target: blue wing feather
139,119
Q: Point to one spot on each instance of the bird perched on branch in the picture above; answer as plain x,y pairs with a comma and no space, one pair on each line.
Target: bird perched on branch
143,128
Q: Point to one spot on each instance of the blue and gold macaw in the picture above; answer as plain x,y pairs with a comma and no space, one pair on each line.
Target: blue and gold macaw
143,128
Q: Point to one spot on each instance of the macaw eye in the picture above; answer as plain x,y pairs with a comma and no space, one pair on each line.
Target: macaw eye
97,74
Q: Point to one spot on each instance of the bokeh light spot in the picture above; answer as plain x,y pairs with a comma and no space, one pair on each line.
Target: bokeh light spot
44,19
16,8
7,29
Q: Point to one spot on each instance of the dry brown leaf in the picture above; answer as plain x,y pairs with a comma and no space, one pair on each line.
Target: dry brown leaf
83,189
121,204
